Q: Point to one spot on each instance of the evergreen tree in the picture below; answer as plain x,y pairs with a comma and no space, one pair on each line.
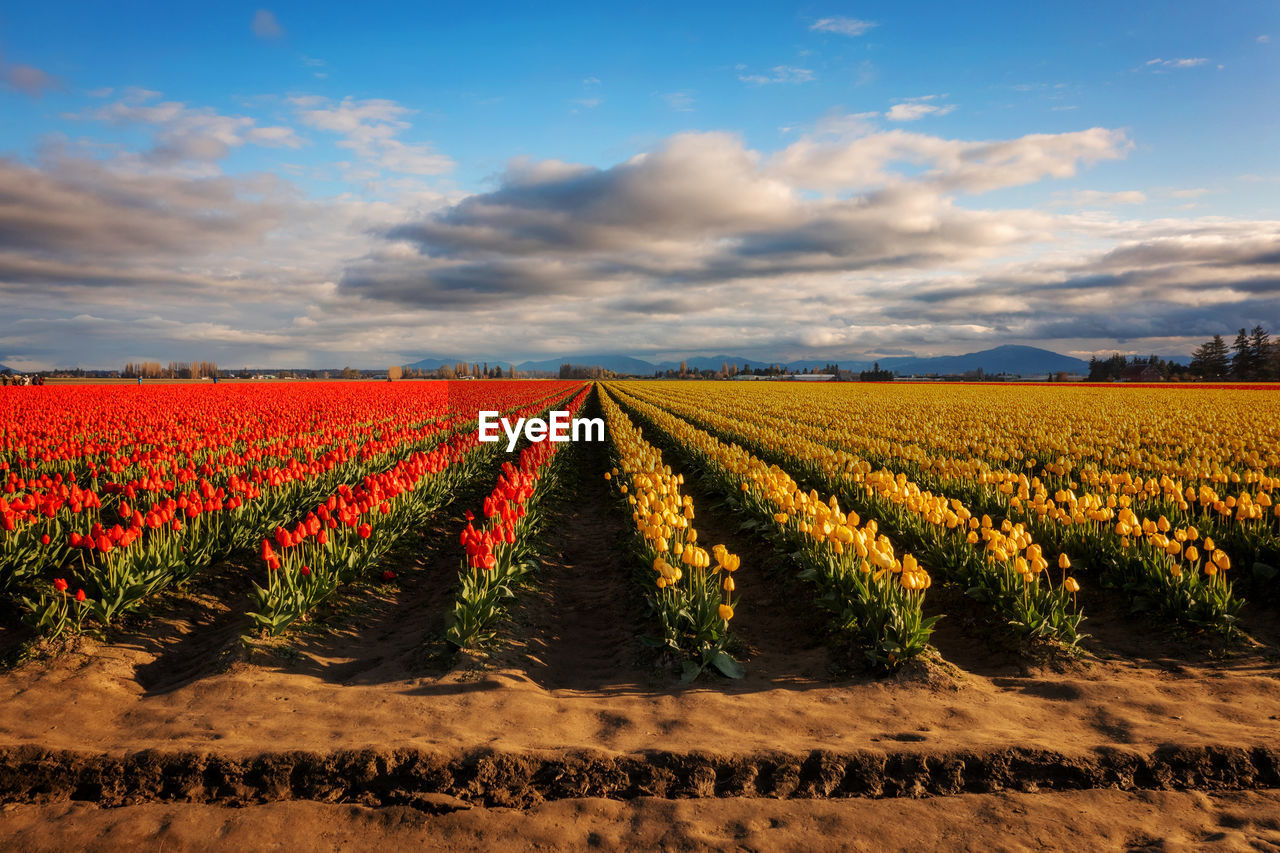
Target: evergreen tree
1260,350
1242,357
1210,360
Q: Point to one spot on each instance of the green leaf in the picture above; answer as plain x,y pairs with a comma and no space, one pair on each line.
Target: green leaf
689,671
728,666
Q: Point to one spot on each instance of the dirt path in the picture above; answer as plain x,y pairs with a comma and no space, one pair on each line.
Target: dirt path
1078,820
583,620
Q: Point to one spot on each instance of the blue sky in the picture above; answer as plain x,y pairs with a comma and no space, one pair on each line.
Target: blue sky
375,174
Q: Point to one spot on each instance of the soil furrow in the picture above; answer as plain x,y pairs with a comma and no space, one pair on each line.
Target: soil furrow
521,780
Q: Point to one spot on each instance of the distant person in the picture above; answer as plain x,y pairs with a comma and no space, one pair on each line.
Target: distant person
139,380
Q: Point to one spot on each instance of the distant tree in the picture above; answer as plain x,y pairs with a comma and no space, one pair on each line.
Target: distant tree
395,372
1210,360
1260,352
875,374
1242,357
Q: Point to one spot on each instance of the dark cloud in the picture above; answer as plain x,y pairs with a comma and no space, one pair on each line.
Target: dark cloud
265,25
29,80
73,210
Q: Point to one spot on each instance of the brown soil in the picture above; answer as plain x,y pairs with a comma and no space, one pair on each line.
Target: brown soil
570,717
1077,820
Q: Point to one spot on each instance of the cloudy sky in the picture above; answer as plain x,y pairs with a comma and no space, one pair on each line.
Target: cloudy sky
317,184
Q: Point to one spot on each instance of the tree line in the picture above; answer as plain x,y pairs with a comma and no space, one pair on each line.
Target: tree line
1252,357
175,370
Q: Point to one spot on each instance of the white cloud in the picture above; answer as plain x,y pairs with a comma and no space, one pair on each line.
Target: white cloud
189,134
370,129
1264,39
1098,198
842,26
681,102
265,25
779,74
913,109
1158,64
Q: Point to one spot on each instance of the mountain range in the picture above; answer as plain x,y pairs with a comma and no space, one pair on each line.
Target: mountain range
1010,359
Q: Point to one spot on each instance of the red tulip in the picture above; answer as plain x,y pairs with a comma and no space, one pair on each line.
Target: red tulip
60,585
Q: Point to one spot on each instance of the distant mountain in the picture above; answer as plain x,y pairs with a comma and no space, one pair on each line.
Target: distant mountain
431,362
616,363
3,369
714,362
1024,361
1018,360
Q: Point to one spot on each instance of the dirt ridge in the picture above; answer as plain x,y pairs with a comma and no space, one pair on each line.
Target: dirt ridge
30,774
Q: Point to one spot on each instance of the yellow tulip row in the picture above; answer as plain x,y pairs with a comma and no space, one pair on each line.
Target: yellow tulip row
860,419
1248,522
1080,524
1216,436
1002,559
693,589
661,515
1004,542
845,552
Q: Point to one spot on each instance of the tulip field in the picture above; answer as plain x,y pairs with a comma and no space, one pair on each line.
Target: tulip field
756,589
1021,495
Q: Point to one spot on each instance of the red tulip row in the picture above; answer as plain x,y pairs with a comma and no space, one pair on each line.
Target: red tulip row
499,552
163,540
351,529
